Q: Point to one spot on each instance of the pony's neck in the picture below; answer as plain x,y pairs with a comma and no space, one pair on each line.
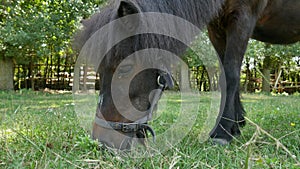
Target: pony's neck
198,12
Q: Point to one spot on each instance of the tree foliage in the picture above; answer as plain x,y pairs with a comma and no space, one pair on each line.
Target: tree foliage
281,55
40,32
38,28
263,60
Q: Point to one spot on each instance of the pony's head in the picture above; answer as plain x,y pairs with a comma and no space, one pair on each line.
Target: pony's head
133,75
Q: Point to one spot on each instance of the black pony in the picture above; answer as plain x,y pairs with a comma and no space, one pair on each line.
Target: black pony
230,24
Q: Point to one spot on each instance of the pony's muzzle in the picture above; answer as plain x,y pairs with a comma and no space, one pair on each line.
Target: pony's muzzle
111,139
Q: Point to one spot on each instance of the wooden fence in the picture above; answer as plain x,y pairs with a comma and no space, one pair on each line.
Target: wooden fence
88,79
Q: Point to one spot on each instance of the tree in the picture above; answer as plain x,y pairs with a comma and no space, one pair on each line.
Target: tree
6,70
267,59
266,69
32,31
204,63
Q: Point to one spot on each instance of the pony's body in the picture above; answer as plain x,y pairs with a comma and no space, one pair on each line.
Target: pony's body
279,23
273,21
230,25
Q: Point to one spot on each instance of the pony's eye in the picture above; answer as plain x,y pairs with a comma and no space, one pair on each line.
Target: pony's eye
126,69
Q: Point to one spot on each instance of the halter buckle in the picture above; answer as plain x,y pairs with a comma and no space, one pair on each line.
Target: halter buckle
130,127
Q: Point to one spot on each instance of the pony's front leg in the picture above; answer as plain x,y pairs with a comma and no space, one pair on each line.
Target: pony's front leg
237,32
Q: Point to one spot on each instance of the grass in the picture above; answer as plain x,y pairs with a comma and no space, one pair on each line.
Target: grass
41,130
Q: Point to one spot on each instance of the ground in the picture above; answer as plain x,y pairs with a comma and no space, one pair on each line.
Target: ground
41,130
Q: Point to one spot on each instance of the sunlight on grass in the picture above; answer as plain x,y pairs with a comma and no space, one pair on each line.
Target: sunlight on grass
7,134
41,130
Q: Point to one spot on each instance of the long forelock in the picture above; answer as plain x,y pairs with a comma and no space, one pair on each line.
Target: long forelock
199,13
198,16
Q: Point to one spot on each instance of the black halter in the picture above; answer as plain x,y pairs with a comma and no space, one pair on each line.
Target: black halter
164,80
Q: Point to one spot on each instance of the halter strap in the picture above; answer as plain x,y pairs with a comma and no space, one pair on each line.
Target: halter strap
125,127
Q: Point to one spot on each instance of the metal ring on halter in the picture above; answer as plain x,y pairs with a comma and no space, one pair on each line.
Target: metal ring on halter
159,83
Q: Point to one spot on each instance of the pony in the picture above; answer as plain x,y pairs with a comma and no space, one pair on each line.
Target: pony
230,24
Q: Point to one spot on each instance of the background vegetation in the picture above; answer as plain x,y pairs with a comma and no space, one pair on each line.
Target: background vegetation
36,37
36,49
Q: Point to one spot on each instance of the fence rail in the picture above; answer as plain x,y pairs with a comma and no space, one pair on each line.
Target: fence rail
42,78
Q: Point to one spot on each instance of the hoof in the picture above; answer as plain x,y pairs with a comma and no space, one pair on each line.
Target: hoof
220,141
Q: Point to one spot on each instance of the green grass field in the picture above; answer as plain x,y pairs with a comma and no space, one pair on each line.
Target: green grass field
41,130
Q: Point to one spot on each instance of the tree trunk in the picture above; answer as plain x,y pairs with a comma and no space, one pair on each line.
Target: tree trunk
58,73
247,79
76,78
46,74
6,74
25,70
266,74
85,74
184,78
202,80
31,75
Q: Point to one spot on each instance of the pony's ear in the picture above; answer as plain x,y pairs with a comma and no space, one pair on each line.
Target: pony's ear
127,8
130,23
